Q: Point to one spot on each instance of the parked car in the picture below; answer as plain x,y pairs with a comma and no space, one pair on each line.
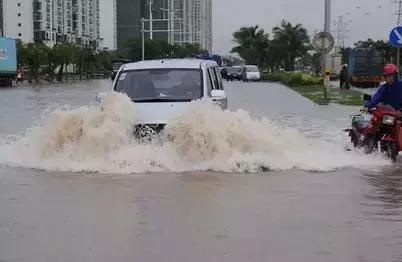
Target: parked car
251,73
163,89
233,73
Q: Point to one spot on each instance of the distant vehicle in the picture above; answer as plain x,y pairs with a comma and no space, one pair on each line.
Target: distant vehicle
163,89
250,73
20,75
213,57
233,73
365,67
116,64
334,64
8,61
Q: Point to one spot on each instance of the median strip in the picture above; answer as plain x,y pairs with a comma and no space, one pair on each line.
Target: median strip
312,88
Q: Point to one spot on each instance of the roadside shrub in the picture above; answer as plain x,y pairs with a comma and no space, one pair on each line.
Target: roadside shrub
293,79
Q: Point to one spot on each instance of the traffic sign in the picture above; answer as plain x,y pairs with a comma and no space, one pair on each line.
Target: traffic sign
323,42
395,37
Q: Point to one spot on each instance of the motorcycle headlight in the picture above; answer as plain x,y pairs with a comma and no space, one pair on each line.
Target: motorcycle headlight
388,120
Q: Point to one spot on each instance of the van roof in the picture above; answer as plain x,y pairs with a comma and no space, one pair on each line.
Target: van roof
187,63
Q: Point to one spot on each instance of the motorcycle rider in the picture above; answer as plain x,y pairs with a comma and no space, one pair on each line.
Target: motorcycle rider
343,77
390,93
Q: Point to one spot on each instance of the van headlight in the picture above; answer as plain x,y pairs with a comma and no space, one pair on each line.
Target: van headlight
388,120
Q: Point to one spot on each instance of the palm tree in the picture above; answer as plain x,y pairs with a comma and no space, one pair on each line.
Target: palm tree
252,44
291,42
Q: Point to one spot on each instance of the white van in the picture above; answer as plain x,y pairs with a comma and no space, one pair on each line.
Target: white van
251,73
163,89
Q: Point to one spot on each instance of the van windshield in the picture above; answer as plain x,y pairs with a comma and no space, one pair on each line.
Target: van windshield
252,69
160,85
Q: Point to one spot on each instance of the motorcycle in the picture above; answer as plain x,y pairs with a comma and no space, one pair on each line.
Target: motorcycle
20,78
382,132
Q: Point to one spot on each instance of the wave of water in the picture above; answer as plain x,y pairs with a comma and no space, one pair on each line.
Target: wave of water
98,139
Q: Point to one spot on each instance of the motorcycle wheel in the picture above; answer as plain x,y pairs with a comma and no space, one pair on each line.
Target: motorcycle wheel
392,152
370,145
353,139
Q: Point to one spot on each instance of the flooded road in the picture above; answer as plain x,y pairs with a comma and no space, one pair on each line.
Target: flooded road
344,214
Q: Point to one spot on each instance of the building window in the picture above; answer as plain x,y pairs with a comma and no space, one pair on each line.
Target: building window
19,14
19,34
19,4
19,24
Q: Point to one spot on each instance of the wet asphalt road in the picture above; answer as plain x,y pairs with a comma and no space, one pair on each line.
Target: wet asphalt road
343,215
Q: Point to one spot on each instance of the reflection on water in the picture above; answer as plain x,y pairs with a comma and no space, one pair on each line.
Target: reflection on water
384,200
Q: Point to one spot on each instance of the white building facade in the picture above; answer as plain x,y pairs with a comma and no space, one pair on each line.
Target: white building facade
195,22
53,21
18,19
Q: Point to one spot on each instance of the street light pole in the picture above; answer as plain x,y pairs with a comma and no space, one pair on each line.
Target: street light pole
327,29
143,38
327,26
150,20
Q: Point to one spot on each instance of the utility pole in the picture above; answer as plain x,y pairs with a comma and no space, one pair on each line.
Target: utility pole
327,29
143,38
327,26
151,35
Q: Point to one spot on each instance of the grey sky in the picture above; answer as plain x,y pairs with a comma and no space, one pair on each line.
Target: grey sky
373,18
229,15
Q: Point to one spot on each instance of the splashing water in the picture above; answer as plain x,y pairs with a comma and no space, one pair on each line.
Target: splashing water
98,139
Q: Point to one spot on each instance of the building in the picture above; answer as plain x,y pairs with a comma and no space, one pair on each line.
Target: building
195,24
185,21
1,17
53,21
107,17
128,19
18,19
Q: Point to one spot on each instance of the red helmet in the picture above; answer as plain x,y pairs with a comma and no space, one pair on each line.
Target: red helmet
390,69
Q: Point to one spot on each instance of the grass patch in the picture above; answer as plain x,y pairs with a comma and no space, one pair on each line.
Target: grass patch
312,88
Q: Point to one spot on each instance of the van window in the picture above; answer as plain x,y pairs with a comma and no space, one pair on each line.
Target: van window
219,78
161,85
210,84
214,78
252,69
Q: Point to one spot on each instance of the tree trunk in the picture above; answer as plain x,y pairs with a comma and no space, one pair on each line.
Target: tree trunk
60,74
37,75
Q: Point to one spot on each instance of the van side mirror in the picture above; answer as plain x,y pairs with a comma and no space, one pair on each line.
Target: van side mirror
218,94
366,97
219,98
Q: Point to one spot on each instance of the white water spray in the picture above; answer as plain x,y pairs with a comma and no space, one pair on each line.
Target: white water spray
98,139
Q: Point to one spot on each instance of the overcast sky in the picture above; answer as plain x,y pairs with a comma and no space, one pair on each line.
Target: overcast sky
370,18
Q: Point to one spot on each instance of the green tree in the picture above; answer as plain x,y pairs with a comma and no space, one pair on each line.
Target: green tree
63,56
290,42
252,45
231,61
34,57
380,45
103,60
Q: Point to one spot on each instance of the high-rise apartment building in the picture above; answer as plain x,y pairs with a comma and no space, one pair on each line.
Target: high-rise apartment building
53,21
194,24
186,21
128,19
